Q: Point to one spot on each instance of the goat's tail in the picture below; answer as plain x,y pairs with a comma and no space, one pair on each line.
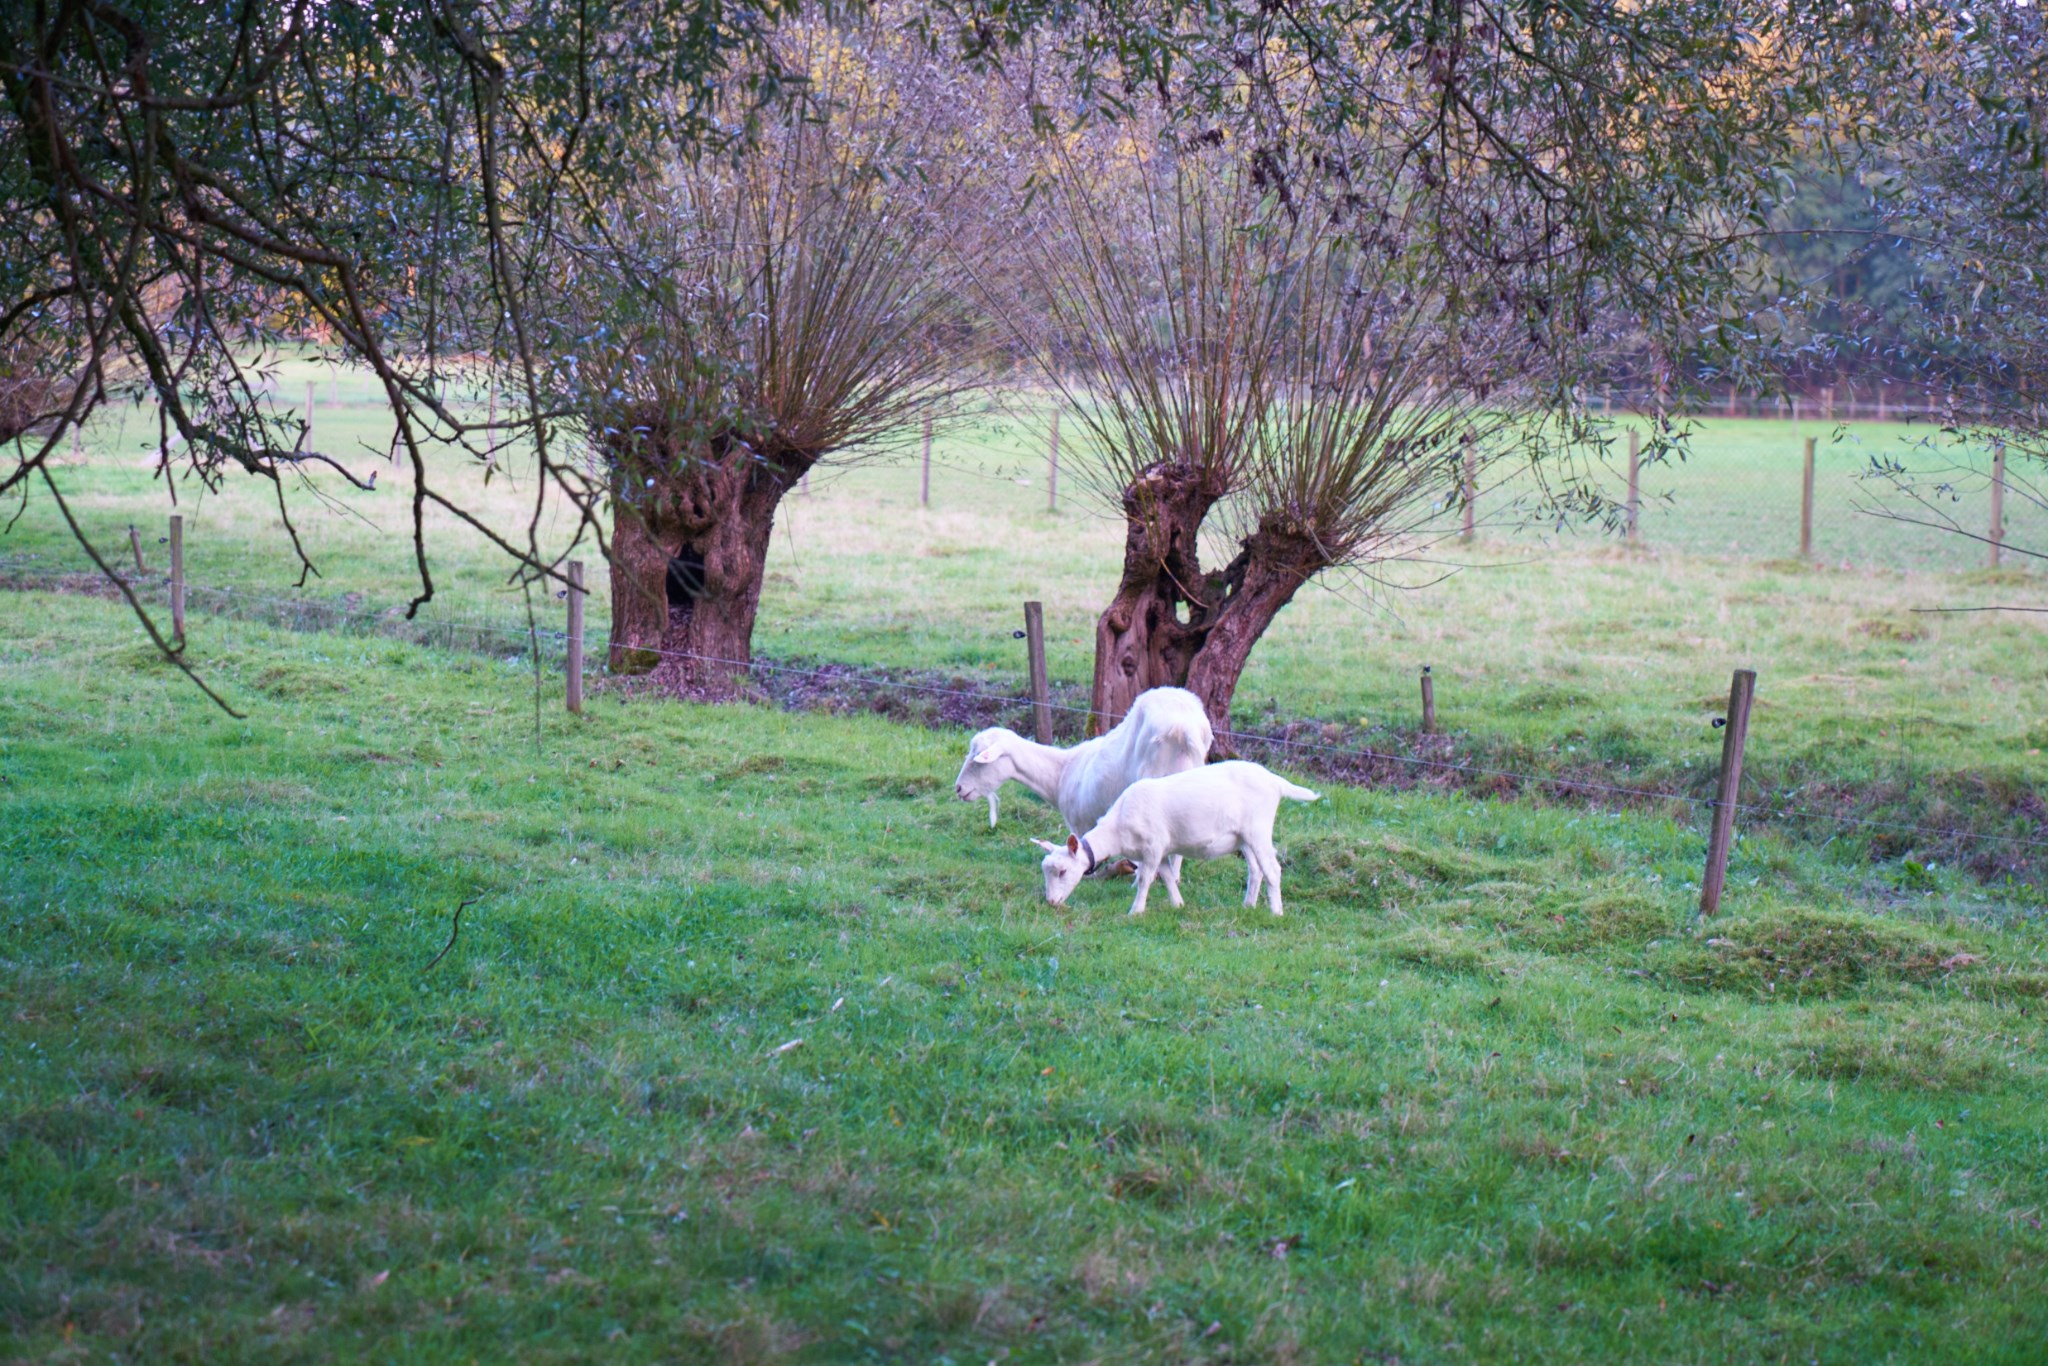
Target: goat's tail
1299,794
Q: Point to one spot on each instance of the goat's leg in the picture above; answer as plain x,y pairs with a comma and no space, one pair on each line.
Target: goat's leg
1272,862
1253,876
1169,873
1147,870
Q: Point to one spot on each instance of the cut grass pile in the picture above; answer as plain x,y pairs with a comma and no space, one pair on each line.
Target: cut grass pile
1487,1091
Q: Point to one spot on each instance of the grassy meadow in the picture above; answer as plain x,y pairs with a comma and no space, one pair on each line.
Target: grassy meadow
755,1045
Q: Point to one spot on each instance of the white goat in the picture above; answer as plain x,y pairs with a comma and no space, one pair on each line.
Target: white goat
1165,731
1225,808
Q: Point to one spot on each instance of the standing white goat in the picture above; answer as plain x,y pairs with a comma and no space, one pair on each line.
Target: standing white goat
1165,731
1225,808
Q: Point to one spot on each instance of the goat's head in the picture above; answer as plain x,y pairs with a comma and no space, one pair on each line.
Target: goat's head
1065,865
987,768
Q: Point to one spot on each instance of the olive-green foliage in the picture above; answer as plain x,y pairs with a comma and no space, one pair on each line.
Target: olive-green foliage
1488,1090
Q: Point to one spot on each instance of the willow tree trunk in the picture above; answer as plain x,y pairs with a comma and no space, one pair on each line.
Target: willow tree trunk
690,538
1173,625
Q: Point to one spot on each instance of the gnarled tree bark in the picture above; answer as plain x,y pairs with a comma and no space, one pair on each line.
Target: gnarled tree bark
690,538
1173,625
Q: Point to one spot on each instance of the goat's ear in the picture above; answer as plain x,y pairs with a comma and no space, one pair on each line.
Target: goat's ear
987,756
1047,845
1073,845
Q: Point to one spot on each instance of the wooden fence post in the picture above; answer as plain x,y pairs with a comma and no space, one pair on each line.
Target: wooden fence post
1731,400
309,415
1880,400
1635,501
1806,505
177,576
924,487
1827,398
1734,732
1470,484
1034,645
135,544
1428,703
575,660
1997,500
1052,467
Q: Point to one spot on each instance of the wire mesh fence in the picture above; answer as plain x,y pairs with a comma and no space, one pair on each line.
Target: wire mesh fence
1894,486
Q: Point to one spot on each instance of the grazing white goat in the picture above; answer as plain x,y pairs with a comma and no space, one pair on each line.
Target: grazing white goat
1225,808
1165,731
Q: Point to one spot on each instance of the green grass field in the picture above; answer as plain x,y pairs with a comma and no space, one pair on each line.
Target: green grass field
758,1046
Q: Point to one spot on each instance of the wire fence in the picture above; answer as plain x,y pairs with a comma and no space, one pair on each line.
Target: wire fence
1888,482
524,644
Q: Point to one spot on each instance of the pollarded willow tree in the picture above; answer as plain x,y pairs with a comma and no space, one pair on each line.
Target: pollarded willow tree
755,315
1272,367
1503,194
184,188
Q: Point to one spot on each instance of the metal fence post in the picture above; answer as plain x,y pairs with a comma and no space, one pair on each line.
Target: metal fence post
575,660
1722,834
135,544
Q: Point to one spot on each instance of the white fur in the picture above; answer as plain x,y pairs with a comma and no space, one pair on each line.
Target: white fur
1225,808
1166,731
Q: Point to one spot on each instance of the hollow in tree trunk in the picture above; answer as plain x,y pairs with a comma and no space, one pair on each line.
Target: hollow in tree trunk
690,538
1173,625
